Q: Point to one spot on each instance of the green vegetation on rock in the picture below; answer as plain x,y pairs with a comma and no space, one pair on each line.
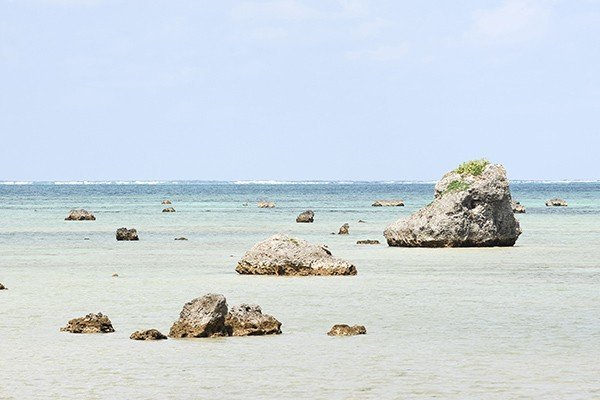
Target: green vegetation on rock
474,167
456,186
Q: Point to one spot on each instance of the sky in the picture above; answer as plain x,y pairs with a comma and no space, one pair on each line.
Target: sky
296,90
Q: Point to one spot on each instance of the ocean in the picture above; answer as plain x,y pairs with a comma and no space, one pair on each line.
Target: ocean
478,323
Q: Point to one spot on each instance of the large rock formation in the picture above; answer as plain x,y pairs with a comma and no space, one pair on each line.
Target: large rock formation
248,320
285,255
344,229
556,203
80,215
517,207
347,330
388,203
266,204
306,216
127,234
202,317
91,323
150,334
471,208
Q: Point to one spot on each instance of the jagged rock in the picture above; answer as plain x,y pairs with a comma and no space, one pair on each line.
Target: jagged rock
344,229
168,209
91,323
127,234
556,203
166,202
368,241
150,334
2,287
285,255
517,207
80,215
306,216
346,330
471,208
202,317
248,320
388,203
266,204
181,238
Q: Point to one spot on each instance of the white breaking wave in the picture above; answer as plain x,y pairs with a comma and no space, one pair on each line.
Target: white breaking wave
12,183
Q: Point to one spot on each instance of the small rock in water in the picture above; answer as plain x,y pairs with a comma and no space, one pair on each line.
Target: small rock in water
166,202
368,241
344,229
556,203
306,216
346,330
168,209
360,221
181,238
248,320
86,238
150,334
2,287
91,323
266,204
80,215
127,234
202,317
517,207
115,275
388,203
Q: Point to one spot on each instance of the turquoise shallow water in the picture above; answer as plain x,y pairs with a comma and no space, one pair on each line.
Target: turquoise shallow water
499,323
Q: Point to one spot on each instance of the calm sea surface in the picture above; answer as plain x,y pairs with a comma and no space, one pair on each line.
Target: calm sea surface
494,323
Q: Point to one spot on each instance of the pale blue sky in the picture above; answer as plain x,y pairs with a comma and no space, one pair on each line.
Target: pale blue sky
292,89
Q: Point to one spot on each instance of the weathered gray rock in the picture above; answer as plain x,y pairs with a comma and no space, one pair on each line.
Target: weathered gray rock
368,241
469,210
285,255
91,323
80,215
150,334
168,210
166,202
388,203
517,207
266,204
2,287
306,216
556,203
127,234
346,330
344,229
248,320
202,317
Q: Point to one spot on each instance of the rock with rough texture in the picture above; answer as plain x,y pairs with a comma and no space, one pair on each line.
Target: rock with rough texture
80,215
344,229
388,203
266,204
286,255
166,202
127,234
368,241
469,210
556,203
306,216
248,320
361,221
2,287
168,209
181,238
517,207
346,330
150,334
202,317
91,323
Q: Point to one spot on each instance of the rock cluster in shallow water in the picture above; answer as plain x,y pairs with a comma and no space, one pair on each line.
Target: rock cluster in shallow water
127,234
80,215
388,203
91,323
556,203
150,334
347,330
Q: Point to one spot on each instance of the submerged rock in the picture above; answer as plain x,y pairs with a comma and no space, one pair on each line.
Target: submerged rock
517,207
556,203
347,330
80,215
306,216
127,234
286,255
202,317
166,202
168,209
91,323
388,203
2,287
115,275
266,204
248,320
471,208
367,241
150,334
360,221
344,229
181,238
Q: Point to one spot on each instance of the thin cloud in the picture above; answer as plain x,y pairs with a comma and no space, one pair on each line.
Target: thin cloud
382,54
